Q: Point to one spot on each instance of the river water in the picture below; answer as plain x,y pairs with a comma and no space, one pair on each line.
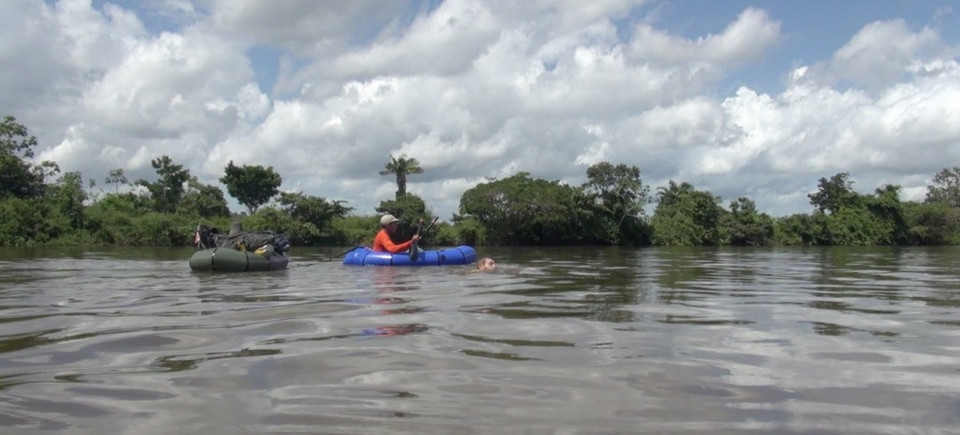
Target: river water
556,341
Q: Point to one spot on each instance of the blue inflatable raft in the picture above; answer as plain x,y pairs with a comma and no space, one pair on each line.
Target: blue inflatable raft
364,256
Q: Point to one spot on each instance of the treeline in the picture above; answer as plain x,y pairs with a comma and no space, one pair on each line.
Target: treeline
609,209
39,205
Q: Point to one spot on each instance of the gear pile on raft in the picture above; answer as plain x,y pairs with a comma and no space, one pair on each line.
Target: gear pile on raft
238,251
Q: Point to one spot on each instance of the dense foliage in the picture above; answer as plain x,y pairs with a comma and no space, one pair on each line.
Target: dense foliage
18,177
945,188
615,200
168,189
743,225
518,210
686,217
253,186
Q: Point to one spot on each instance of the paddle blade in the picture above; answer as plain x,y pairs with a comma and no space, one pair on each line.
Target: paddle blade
414,252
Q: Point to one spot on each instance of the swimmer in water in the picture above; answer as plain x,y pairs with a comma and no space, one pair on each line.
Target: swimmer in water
486,264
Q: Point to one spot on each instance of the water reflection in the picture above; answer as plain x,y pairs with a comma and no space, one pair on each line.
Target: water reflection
387,287
411,328
592,340
177,363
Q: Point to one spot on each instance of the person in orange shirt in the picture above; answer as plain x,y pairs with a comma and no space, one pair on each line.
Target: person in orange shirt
384,240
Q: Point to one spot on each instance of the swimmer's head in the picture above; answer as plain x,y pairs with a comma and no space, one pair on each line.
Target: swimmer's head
486,263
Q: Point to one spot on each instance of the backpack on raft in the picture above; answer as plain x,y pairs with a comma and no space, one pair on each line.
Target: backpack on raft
261,242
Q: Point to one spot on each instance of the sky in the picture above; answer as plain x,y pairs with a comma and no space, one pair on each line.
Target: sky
739,98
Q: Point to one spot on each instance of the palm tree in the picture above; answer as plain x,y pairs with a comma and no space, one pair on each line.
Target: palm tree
402,167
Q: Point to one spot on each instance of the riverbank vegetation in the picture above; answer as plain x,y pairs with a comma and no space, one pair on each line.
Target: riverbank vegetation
40,205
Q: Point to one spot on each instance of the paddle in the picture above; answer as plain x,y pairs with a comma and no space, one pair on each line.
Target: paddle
415,249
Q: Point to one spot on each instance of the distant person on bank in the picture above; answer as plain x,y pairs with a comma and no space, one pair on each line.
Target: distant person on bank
384,240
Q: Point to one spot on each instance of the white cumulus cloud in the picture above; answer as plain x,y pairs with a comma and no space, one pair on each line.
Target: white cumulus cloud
325,92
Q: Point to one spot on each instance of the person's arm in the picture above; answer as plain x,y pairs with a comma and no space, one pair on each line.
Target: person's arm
383,243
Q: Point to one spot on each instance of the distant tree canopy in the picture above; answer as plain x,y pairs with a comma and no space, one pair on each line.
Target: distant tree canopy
310,216
616,198
203,200
844,217
312,208
117,178
67,196
609,208
523,210
946,187
743,225
167,191
834,193
401,167
252,186
18,177
685,216
933,223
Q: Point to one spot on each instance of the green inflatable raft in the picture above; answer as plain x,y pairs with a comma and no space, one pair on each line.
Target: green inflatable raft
232,260
238,251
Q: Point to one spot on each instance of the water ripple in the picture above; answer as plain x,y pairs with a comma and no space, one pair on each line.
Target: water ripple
562,340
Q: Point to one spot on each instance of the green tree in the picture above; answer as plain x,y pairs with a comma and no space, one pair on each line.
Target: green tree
67,197
252,186
520,210
863,220
117,178
18,177
834,193
686,217
115,218
401,167
618,195
795,230
932,223
744,226
888,215
203,200
128,204
314,209
312,217
946,187
167,191
848,226
94,196
24,222
462,231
